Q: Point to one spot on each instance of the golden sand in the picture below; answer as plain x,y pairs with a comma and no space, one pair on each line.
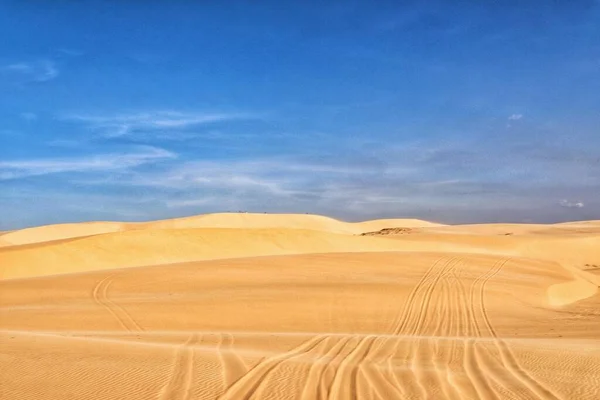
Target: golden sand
240,306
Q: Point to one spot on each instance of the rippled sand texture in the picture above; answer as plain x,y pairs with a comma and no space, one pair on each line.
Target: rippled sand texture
244,306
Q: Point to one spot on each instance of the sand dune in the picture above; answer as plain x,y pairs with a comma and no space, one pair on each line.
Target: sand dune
186,310
164,246
222,220
58,232
287,221
579,247
4,243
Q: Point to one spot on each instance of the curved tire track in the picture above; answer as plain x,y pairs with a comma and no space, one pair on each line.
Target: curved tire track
232,365
407,310
244,387
180,383
506,355
100,296
345,382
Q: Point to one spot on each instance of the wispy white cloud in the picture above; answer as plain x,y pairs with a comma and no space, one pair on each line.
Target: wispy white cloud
96,163
515,117
37,71
240,176
277,176
126,124
399,181
452,183
571,204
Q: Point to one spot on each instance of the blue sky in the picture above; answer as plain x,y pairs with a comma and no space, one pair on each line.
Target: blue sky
456,111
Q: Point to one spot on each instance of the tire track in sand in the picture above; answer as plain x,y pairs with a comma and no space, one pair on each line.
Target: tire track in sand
424,308
506,355
348,369
410,320
384,387
232,364
180,384
320,374
100,296
407,310
473,363
245,387
344,385
448,302
422,350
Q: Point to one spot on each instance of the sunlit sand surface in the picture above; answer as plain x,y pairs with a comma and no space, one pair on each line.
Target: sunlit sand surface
254,306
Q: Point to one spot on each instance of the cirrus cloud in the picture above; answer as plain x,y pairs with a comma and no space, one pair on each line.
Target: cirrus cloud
116,125
36,71
97,163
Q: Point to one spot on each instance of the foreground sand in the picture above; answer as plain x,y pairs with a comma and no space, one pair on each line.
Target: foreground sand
240,307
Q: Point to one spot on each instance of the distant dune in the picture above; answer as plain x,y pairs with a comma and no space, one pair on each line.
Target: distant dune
164,246
236,306
288,221
58,232
222,220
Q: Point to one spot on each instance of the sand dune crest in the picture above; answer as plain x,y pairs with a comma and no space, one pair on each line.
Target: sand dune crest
59,232
222,220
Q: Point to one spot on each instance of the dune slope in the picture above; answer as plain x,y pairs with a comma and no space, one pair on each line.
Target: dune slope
222,220
158,246
178,310
366,325
59,232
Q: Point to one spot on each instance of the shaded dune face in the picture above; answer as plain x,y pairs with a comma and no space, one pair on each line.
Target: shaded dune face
254,309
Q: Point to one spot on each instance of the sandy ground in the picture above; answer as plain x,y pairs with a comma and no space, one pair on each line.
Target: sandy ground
241,306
